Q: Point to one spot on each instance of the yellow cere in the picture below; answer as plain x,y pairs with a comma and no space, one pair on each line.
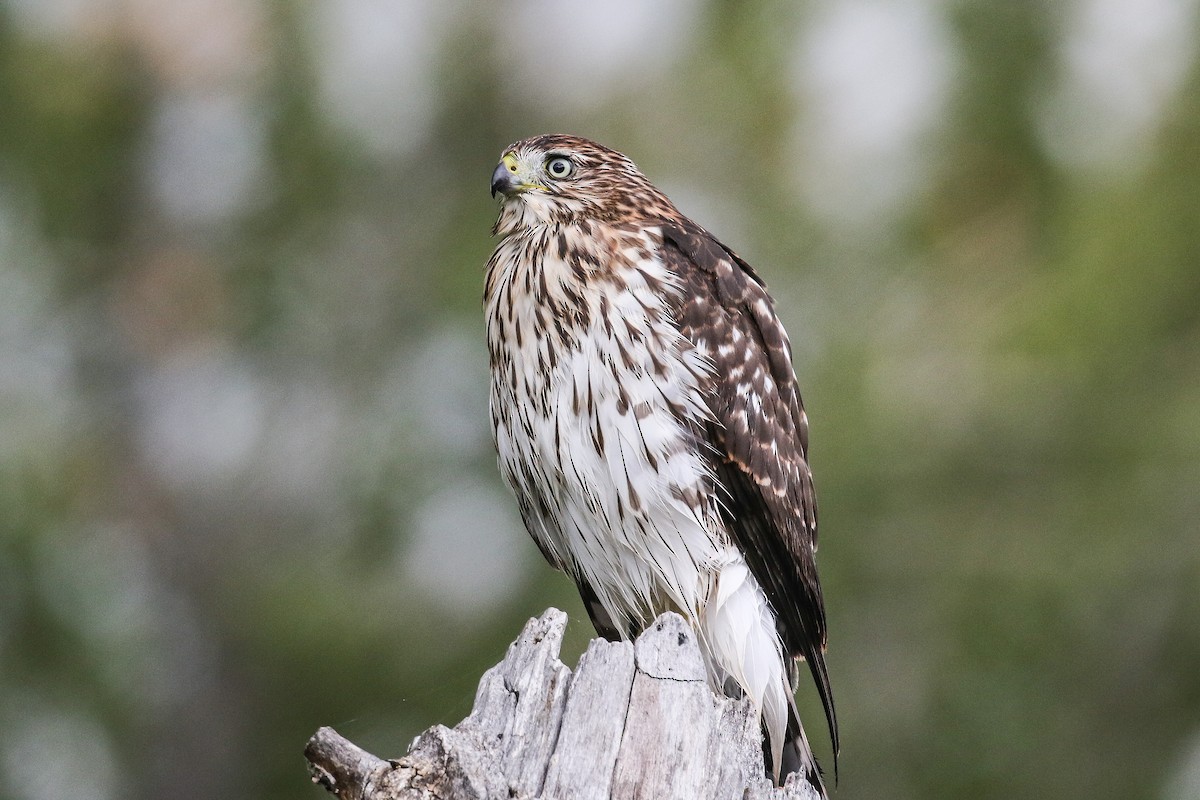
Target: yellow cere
514,165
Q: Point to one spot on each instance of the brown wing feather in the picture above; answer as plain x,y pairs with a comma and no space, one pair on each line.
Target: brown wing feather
760,440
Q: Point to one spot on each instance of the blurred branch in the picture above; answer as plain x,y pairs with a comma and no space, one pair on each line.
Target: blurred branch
633,721
343,768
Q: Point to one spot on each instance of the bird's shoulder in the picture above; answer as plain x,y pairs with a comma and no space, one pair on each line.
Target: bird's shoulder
726,309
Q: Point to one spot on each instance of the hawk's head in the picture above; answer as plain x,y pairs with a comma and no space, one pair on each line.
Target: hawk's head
555,179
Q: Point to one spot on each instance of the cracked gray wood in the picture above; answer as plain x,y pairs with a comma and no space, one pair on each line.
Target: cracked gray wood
633,722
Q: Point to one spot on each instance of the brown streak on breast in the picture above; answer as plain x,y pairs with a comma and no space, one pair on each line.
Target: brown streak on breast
605,319
626,358
622,401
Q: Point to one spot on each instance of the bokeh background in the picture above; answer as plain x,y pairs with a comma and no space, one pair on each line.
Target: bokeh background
246,483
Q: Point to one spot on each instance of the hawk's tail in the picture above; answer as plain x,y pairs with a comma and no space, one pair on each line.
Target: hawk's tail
798,756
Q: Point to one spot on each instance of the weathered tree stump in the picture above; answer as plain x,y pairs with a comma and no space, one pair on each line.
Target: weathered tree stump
635,722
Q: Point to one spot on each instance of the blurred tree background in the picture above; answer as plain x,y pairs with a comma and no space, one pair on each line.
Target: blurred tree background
246,483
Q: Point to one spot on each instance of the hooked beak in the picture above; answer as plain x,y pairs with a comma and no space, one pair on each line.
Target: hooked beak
504,180
504,176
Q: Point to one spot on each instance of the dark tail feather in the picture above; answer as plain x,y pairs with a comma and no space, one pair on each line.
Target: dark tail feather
798,757
816,664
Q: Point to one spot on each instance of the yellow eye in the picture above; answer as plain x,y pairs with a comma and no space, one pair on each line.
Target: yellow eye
559,167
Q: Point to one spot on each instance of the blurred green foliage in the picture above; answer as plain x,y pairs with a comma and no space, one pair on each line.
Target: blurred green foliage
246,487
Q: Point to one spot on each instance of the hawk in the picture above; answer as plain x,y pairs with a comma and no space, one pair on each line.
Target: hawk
646,416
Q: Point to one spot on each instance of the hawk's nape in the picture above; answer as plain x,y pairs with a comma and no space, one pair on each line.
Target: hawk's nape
646,416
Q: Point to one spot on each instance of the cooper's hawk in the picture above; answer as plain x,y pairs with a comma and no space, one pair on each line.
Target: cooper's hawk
646,416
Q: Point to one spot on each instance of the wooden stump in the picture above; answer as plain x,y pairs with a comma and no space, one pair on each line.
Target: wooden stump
633,722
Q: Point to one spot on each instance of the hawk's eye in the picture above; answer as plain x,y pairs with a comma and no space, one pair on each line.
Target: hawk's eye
559,167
